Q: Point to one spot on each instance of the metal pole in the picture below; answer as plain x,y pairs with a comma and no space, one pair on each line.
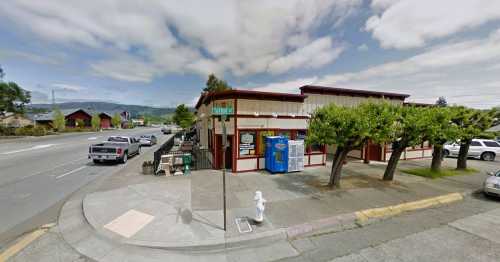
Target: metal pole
224,144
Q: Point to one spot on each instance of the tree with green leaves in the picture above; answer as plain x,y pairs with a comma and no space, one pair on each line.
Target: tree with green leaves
412,123
79,123
216,85
58,122
96,121
471,123
349,128
439,131
13,98
116,120
183,117
442,101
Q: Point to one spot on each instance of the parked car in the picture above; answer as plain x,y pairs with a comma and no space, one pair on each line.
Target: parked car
116,148
479,148
148,140
492,184
166,130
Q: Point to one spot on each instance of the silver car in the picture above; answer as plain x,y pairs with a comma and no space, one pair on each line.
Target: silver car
492,184
148,140
483,149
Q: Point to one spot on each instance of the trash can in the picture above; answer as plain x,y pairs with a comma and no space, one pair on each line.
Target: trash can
186,161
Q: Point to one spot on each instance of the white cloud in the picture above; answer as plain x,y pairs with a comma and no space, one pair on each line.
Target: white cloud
68,87
363,47
412,23
314,55
167,36
53,59
454,70
291,86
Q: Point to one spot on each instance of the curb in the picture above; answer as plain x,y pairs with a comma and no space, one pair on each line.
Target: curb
368,216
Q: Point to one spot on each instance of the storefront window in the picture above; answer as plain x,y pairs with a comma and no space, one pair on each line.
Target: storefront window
247,143
301,135
262,140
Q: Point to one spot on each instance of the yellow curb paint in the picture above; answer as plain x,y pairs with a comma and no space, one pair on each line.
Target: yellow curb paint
388,211
20,245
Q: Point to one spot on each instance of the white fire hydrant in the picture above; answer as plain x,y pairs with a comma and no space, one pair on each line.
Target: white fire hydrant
260,205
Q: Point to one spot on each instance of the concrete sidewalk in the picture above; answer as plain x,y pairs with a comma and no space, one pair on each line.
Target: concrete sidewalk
185,213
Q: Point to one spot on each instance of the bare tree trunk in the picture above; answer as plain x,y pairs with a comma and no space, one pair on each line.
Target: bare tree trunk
437,157
338,162
462,155
335,163
393,161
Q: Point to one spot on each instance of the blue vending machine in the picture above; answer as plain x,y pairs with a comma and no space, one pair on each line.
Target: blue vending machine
276,154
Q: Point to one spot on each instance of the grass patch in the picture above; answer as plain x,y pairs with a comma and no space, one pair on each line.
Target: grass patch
427,172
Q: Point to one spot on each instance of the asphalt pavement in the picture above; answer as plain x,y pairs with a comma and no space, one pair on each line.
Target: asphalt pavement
38,174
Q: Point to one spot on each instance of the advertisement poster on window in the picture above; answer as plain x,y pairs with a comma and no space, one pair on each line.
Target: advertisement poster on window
247,143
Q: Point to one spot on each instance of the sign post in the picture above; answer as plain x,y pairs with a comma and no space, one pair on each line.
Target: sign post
223,110
224,145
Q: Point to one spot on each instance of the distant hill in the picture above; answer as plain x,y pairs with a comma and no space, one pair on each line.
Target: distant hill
134,110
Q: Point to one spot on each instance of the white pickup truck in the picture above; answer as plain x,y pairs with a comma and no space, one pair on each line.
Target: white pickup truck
116,148
479,148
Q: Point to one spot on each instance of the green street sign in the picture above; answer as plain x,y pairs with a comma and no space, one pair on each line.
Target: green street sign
222,110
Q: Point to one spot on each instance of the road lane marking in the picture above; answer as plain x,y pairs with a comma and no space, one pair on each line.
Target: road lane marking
93,138
71,172
24,242
40,172
28,149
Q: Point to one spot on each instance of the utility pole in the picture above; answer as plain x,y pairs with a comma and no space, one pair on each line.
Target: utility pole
53,100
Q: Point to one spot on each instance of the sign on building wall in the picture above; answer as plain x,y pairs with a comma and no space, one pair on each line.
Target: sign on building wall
247,143
223,108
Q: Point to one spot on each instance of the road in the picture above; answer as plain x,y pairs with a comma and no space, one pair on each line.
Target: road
37,174
463,231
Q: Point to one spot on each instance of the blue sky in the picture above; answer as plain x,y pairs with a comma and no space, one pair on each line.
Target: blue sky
160,53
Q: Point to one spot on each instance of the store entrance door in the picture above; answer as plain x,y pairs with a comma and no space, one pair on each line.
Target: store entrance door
229,152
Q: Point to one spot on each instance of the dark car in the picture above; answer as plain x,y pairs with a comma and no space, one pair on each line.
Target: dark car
148,140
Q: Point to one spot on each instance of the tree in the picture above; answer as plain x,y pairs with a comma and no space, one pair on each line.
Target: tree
80,123
442,102
116,120
349,128
410,129
183,117
471,123
96,122
216,85
13,98
440,130
59,122
2,73
495,113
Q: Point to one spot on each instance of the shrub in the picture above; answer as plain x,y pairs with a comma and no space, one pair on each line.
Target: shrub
147,163
31,131
7,131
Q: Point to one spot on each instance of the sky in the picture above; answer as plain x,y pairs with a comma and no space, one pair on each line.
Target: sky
160,52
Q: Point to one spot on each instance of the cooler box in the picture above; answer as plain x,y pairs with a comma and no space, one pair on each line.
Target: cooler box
276,154
295,155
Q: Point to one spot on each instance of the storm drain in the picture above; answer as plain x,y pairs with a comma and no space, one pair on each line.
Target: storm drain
243,225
